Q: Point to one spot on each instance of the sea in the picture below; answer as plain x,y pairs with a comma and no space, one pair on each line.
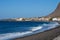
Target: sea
14,29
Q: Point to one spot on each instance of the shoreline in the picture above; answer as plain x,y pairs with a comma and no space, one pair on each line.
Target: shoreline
46,35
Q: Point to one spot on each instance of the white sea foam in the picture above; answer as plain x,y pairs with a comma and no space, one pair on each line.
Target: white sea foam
13,35
21,34
18,34
36,28
53,25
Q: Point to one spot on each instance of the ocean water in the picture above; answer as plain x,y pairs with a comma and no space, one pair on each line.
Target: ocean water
10,30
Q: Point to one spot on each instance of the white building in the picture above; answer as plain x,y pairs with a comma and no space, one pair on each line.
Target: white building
55,19
44,18
19,19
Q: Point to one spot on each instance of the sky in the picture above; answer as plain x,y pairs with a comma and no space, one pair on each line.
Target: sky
26,8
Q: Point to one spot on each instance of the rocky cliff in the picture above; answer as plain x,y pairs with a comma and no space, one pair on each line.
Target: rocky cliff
55,13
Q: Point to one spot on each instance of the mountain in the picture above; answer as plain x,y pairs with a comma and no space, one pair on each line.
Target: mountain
55,13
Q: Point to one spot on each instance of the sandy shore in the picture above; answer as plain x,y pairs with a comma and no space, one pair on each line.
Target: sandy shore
46,35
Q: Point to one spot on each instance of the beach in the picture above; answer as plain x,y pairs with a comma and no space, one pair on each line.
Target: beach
30,20
46,35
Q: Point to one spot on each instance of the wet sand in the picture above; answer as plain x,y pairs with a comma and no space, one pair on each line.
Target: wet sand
46,35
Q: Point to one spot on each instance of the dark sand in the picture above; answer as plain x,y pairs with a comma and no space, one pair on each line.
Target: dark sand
46,35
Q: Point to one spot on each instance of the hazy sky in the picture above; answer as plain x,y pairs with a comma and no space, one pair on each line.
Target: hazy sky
26,8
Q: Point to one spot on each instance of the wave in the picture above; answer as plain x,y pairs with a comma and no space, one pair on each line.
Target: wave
18,34
36,28
13,35
51,25
8,36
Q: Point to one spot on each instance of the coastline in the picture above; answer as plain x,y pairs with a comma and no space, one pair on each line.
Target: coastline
46,35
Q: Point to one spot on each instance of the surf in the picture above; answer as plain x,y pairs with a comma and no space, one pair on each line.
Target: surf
32,30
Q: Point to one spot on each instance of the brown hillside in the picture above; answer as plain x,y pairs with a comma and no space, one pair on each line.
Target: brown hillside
55,13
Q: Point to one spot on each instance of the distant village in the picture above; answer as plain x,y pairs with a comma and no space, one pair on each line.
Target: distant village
39,19
34,19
